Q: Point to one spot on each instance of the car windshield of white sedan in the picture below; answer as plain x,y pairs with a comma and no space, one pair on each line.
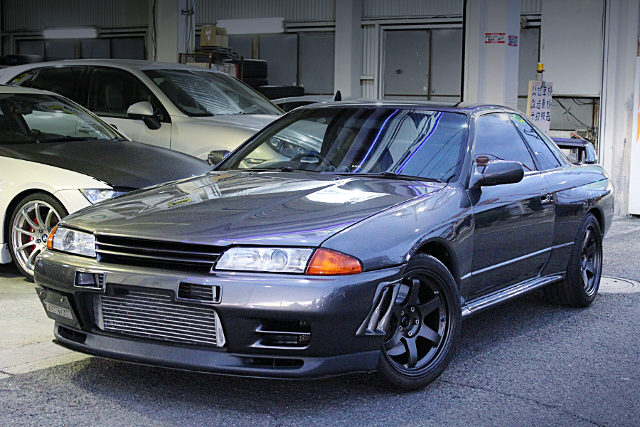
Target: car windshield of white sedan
205,93
353,140
34,118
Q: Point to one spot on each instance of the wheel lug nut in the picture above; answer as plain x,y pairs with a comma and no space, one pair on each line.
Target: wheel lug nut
413,309
402,313
417,321
410,333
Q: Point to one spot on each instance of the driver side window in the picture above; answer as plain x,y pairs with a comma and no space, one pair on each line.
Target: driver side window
497,139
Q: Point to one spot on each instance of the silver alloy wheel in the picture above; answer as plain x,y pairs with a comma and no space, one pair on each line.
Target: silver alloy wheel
29,232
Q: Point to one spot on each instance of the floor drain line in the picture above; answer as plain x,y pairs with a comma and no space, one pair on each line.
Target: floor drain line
617,285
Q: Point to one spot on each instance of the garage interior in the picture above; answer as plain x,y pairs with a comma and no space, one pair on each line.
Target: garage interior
438,51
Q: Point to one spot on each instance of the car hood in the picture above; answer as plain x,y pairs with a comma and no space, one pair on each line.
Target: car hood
264,208
123,164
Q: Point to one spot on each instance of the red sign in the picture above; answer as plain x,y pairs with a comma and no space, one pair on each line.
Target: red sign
513,40
495,37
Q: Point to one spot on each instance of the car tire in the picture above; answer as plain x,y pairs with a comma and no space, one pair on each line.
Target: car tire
254,68
255,82
580,286
275,92
32,220
425,326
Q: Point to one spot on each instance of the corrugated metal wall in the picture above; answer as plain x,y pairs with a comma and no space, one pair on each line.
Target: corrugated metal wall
370,61
414,8
531,6
35,15
209,11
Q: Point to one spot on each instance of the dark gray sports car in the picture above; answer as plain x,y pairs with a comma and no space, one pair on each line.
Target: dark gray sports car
341,238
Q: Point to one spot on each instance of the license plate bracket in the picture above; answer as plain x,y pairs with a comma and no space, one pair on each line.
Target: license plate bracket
57,307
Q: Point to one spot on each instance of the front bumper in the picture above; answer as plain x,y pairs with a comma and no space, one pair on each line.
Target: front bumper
334,308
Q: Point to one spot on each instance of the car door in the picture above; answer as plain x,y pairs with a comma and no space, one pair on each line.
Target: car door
113,91
513,222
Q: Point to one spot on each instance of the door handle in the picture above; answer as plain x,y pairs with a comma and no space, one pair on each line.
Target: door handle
546,198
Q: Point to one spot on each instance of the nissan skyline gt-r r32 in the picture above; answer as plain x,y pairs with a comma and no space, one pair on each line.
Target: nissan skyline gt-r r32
57,158
342,238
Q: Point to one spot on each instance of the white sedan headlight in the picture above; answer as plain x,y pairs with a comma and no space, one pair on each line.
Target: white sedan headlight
95,196
72,241
271,260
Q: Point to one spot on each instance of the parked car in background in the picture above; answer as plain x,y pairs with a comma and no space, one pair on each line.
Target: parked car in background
184,108
358,249
57,158
290,103
578,151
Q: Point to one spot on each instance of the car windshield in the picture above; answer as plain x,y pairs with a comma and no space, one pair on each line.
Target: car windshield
205,93
355,140
29,118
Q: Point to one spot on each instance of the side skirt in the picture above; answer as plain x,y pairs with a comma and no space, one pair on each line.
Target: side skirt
476,305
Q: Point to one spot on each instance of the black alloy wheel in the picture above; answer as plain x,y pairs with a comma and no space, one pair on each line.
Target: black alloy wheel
425,325
583,274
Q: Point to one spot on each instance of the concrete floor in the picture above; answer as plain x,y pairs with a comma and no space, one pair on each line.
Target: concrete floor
524,363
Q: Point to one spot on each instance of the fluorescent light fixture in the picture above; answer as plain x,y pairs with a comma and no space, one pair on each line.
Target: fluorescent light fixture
71,33
252,26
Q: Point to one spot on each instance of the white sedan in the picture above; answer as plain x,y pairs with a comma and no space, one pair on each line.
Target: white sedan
180,107
57,158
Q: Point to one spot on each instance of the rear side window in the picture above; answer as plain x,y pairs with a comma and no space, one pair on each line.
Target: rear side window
498,139
25,79
113,91
61,80
542,152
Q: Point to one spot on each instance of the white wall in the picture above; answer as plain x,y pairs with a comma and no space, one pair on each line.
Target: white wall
571,46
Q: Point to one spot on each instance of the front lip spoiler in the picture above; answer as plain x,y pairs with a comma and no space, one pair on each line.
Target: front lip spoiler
216,361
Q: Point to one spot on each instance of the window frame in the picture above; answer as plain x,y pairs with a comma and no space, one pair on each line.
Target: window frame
90,75
475,140
562,164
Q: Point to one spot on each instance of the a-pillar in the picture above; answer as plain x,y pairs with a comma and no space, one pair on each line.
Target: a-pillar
348,51
172,27
616,141
492,40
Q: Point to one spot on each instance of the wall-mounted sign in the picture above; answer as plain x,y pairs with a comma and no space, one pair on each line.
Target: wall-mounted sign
495,37
539,103
513,40
634,174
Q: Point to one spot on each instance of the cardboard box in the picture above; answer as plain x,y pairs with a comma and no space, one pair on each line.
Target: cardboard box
212,35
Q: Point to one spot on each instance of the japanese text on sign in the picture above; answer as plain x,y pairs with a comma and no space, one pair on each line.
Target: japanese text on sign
495,37
539,103
513,40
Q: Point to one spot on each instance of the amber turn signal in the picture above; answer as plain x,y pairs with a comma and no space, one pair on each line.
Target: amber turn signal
50,238
326,262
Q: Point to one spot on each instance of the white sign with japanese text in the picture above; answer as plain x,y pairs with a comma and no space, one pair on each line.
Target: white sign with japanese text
634,174
539,104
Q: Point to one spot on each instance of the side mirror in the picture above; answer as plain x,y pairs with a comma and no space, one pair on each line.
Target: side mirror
497,172
590,156
217,156
144,111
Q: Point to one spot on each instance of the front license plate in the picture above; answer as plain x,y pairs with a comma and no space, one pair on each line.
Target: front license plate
57,307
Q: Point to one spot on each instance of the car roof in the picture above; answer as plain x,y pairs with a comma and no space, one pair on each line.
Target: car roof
19,89
125,64
468,108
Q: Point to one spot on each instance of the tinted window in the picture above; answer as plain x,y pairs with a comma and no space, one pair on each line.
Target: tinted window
497,139
61,80
542,152
112,92
428,144
24,79
35,118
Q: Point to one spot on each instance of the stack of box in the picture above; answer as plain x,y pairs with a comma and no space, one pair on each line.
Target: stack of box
212,35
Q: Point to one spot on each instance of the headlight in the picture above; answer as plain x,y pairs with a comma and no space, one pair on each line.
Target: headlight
95,196
72,241
272,260
324,262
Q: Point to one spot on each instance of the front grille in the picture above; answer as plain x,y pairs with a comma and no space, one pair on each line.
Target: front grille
155,253
153,315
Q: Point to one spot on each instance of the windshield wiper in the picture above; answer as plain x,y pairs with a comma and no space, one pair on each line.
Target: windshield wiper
67,138
388,175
